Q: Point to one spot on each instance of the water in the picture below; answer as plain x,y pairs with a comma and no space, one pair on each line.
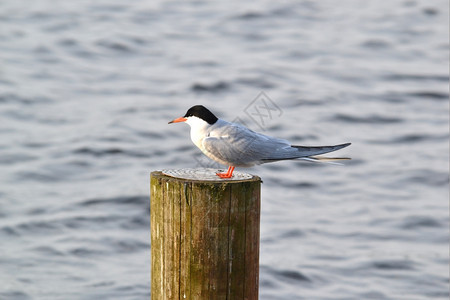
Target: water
86,91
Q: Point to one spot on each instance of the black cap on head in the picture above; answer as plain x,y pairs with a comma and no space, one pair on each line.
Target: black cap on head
201,112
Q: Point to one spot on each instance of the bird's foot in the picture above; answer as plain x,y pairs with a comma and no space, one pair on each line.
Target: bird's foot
224,175
228,174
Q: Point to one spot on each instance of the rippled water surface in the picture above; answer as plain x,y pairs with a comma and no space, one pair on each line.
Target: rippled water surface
87,89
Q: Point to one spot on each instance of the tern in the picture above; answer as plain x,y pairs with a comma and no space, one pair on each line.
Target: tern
234,145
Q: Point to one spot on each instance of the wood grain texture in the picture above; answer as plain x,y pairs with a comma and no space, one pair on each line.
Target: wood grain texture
205,238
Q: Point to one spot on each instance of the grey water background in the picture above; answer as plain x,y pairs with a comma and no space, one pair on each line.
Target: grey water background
87,89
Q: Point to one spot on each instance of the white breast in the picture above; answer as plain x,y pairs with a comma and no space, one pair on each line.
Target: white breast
199,130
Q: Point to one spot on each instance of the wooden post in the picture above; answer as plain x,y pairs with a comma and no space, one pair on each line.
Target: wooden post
204,238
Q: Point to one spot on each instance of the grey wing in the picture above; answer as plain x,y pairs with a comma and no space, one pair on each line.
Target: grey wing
317,150
303,152
240,146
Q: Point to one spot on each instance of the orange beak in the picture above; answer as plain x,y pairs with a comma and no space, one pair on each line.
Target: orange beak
181,119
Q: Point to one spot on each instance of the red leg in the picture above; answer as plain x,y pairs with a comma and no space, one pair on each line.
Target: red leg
228,174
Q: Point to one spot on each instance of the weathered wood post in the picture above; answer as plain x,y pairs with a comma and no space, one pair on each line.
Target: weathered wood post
205,235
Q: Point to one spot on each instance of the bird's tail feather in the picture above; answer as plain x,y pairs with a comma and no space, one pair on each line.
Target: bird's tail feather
323,159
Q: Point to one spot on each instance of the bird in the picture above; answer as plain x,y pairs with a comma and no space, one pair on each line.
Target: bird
235,145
